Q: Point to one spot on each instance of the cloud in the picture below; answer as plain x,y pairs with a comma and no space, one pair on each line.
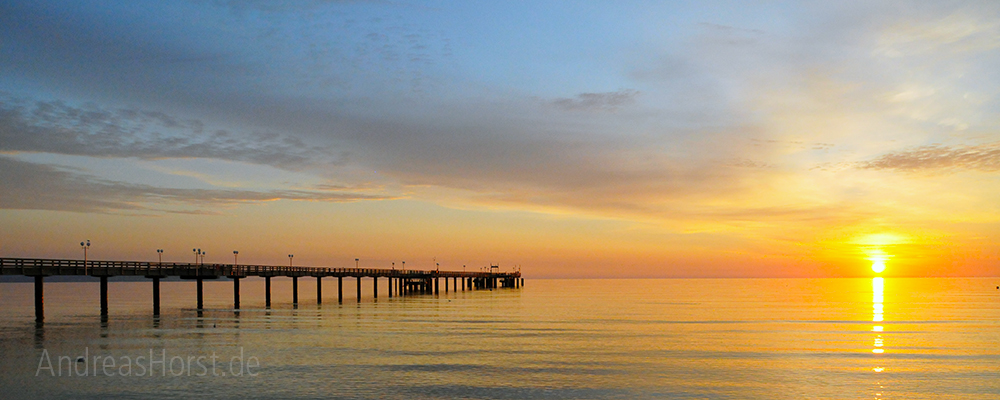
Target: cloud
958,32
792,144
31,186
606,101
732,35
55,127
937,158
702,98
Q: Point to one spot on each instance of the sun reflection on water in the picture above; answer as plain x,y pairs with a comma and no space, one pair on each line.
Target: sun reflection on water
878,315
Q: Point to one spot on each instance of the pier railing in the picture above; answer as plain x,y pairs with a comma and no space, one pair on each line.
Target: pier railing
50,267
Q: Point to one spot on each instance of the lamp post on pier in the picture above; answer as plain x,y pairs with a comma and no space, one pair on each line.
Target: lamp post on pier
85,246
290,260
236,258
159,255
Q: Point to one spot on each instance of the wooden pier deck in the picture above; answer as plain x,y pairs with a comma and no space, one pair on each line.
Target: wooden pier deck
401,281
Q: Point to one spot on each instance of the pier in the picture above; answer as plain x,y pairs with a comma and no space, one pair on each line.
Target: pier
401,282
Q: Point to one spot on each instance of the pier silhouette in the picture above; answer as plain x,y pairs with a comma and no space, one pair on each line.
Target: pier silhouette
401,281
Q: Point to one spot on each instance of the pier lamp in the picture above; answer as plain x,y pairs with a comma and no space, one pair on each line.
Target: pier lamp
203,253
290,259
85,246
236,259
394,266
438,266
404,264
159,254
195,251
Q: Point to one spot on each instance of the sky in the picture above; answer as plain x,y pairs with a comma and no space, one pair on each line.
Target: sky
569,139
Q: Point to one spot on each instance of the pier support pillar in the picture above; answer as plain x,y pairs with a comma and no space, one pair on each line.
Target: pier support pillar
295,290
446,285
319,290
39,300
436,282
201,298
375,286
340,289
389,288
236,293
359,289
156,296
267,292
104,295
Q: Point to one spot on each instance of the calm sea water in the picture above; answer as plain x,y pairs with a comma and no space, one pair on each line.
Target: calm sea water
571,339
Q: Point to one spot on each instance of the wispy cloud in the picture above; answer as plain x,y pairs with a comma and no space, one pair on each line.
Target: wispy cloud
56,127
31,186
938,158
605,101
958,32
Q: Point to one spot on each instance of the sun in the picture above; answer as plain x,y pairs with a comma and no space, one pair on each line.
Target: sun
878,266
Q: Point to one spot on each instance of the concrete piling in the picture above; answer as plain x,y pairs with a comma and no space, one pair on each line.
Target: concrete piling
201,297
156,295
267,292
236,293
39,299
104,295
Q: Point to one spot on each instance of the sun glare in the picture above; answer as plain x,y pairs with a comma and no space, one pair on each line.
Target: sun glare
878,266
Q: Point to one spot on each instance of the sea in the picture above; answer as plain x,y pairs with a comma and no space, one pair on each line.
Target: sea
865,338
